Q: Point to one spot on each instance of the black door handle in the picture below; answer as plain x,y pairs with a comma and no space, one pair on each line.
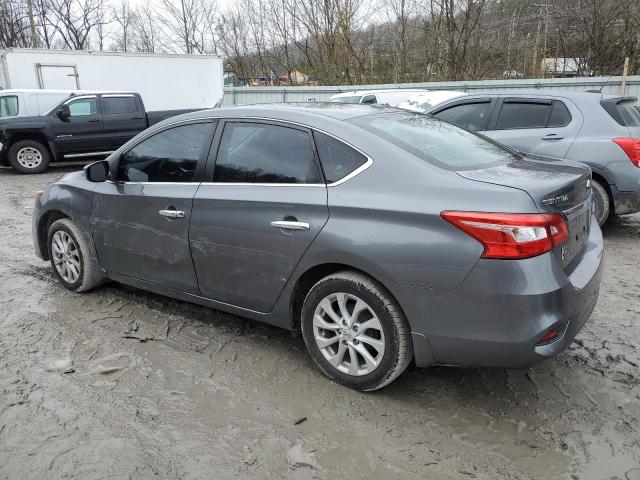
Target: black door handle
136,118
94,120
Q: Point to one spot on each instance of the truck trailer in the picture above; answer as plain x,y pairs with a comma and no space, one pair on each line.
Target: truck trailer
164,81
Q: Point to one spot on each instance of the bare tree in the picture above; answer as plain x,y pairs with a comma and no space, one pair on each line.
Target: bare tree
125,19
75,20
189,25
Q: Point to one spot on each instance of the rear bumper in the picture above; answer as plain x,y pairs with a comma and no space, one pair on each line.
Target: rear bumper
498,315
625,202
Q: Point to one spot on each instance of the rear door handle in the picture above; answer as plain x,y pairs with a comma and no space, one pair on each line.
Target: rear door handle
172,213
136,118
94,120
552,136
287,225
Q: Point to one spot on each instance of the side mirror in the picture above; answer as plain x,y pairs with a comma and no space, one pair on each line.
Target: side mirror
97,172
63,112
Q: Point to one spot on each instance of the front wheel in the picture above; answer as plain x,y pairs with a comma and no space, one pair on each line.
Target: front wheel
355,331
70,257
29,156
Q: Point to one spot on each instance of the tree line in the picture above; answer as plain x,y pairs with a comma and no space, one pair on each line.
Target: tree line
348,41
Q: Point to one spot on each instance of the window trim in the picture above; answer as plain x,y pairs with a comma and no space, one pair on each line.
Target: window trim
17,105
213,153
114,161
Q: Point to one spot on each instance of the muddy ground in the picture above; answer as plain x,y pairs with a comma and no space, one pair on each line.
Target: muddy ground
210,395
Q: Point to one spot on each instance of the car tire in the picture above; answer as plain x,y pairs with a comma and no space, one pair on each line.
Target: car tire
602,204
380,341
70,257
29,156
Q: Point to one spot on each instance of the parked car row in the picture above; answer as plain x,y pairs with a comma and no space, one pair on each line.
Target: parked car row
600,130
386,237
68,125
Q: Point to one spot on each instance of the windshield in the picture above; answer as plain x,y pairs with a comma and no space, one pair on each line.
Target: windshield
351,99
436,141
8,106
630,111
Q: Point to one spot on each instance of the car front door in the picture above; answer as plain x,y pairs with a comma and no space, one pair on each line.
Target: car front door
540,126
140,219
123,117
81,131
263,205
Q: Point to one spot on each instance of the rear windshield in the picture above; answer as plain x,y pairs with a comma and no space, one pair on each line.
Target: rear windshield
8,106
625,112
352,99
436,141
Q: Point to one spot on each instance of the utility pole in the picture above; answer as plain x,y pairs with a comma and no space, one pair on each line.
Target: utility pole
34,35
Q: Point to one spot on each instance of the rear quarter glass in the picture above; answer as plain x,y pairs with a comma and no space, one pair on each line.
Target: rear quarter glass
436,141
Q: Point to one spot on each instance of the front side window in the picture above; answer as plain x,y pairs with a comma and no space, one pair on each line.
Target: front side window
338,160
371,99
8,106
83,107
169,156
471,116
523,115
116,105
263,153
435,141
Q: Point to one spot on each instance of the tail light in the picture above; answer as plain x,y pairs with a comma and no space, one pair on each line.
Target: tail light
631,147
512,235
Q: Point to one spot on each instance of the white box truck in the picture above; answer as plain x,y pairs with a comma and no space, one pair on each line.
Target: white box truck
165,81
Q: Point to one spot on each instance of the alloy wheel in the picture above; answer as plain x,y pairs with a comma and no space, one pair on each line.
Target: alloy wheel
66,256
349,334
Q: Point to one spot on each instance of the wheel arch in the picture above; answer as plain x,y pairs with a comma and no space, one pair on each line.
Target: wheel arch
601,179
46,220
33,135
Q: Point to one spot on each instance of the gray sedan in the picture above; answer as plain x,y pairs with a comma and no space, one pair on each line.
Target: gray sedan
386,237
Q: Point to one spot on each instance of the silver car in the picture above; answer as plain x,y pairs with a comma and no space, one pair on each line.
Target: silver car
386,237
602,131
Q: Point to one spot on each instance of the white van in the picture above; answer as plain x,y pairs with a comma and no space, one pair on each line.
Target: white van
388,98
423,102
27,103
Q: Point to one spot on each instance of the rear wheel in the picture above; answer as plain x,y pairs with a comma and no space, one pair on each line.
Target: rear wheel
602,204
355,332
29,156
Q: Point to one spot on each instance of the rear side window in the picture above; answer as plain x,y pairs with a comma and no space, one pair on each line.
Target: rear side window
115,105
560,116
8,106
369,99
434,141
169,156
350,99
338,160
263,153
471,116
523,115
625,112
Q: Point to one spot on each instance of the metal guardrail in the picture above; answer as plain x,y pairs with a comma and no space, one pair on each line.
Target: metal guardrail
252,95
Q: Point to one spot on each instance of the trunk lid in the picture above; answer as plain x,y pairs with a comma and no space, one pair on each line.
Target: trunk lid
554,186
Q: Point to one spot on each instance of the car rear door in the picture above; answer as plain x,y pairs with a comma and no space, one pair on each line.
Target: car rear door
140,219
536,125
123,117
263,205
